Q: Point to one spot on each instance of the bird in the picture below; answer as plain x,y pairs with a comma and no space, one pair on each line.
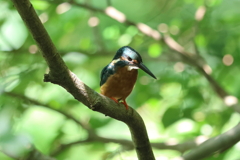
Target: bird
119,76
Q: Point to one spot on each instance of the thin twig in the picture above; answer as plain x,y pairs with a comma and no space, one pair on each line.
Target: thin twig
35,102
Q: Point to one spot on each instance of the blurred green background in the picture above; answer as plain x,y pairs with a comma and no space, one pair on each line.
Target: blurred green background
178,107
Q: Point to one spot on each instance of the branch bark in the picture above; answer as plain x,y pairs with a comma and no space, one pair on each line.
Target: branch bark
59,74
217,144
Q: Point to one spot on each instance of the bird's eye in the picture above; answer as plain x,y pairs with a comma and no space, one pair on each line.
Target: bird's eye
129,58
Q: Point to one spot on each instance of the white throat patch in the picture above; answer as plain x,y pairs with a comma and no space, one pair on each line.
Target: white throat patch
132,67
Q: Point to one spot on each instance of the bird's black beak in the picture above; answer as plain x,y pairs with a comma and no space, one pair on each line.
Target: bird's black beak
145,69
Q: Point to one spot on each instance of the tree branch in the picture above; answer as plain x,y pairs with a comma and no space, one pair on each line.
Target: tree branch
59,74
33,154
127,145
27,153
197,62
24,98
36,155
93,137
216,144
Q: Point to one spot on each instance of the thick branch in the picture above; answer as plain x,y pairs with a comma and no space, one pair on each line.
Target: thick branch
216,144
93,137
59,74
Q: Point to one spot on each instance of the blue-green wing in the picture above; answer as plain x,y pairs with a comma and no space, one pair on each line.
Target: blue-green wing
106,72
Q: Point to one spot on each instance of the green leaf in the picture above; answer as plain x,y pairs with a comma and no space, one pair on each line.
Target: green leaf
97,122
171,115
10,28
154,50
200,40
40,5
111,32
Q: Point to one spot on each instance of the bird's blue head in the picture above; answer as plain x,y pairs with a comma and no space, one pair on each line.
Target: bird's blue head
131,58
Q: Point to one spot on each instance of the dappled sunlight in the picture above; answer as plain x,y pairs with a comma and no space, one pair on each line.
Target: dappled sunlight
93,21
227,60
231,123
200,139
206,130
33,49
13,33
114,13
200,13
43,17
182,127
191,45
207,69
149,31
173,44
163,27
172,141
238,145
63,7
179,67
185,126
230,100
199,116
124,40
171,91
174,30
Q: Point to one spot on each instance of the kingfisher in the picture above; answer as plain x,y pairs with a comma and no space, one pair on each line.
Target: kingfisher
119,76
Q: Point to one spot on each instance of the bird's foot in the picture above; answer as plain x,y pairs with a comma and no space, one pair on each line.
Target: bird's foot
123,102
115,100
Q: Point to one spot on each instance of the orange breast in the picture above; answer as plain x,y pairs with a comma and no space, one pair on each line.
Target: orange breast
120,84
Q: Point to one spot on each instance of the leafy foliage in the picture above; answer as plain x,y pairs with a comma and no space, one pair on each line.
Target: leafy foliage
179,106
